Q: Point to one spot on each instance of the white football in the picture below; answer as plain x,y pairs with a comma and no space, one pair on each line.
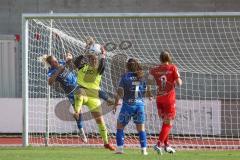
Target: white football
95,48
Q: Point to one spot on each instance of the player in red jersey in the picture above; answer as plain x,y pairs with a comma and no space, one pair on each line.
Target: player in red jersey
166,76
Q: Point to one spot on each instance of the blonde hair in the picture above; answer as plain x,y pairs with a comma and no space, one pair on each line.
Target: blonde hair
45,60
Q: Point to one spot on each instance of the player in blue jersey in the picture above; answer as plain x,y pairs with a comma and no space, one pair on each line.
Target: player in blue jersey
132,90
63,73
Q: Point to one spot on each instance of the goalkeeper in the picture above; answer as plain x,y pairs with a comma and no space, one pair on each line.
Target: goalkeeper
79,62
59,71
89,78
92,48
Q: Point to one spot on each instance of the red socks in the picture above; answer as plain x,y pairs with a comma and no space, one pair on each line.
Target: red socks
163,136
166,141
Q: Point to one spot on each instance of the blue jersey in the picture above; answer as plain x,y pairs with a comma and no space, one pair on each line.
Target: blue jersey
134,89
67,78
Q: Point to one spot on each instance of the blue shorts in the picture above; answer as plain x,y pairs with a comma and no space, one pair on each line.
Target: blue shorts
135,111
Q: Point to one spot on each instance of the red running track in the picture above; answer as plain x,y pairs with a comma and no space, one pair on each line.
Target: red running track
177,142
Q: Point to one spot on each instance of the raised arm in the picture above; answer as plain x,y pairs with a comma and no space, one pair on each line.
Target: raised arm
101,66
69,61
102,61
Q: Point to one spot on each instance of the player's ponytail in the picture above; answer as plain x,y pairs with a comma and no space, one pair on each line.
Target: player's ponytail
49,59
45,60
134,66
165,56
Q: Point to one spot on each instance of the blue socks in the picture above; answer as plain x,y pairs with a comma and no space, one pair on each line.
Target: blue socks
143,139
103,95
120,137
79,122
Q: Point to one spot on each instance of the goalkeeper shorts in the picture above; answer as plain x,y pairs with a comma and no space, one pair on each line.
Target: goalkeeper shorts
90,99
75,92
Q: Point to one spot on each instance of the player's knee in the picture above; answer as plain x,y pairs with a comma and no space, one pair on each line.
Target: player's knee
168,121
78,97
120,126
99,119
140,127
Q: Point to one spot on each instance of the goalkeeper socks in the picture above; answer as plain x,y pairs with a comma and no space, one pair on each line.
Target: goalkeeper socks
166,128
103,132
143,139
120,137
79,121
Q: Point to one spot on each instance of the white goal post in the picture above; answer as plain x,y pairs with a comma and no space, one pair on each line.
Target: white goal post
205,46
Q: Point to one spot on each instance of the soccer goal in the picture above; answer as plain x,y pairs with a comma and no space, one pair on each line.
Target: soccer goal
204,46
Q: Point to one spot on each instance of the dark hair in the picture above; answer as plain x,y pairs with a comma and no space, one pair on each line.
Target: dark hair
165,56
79,61
49,59
134,66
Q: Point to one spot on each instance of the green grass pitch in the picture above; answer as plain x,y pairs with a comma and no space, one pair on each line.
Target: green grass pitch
63,153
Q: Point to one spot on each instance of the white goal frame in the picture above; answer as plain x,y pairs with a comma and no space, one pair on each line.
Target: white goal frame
26,17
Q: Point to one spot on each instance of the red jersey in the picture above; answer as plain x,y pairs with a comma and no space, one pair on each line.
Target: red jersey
165,76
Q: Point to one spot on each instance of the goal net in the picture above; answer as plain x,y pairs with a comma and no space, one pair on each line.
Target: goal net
204,47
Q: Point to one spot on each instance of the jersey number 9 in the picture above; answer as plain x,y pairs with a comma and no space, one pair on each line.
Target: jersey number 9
163,79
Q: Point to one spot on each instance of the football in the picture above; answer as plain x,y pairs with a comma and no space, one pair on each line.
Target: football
95,49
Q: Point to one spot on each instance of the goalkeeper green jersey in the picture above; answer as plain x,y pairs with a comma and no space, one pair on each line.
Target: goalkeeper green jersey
90,77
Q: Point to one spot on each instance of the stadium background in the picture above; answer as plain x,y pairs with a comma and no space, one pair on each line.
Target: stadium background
10,26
